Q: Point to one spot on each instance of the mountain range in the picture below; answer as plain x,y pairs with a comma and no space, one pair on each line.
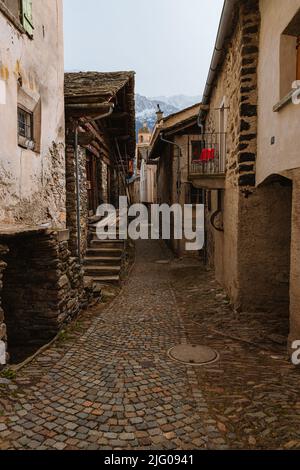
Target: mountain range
146,108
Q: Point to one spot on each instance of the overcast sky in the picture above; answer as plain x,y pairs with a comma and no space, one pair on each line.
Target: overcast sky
168,43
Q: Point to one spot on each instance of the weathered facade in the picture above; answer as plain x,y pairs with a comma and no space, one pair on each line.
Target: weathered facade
41,285
251,208
32,164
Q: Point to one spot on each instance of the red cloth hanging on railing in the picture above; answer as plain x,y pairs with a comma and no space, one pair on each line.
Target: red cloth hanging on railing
207,155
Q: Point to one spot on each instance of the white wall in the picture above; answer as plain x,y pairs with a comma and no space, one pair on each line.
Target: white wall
283,125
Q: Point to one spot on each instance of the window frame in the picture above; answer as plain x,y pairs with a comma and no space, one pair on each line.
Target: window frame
18,22
24,139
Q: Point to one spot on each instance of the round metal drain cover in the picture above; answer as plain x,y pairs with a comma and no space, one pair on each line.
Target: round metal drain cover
193,355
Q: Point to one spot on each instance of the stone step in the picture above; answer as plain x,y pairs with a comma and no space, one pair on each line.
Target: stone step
107,244
96,270
109,233
107,251
106,279
100,260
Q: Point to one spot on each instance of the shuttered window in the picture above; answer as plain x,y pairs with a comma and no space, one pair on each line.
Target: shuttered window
27,19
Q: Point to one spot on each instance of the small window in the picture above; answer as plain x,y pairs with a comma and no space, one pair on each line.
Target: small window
25,124
19,12
290,56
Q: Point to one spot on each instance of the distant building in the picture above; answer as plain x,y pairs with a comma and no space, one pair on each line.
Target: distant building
146,171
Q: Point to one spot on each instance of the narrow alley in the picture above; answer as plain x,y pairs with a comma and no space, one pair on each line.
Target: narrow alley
114,385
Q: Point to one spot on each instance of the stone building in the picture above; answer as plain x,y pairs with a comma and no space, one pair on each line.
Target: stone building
145,170
40,284
172,142
101,139
252,181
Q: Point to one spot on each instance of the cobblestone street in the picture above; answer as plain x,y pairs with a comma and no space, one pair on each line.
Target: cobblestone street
111,385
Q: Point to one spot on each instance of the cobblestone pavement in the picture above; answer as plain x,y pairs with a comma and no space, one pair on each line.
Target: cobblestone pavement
111,385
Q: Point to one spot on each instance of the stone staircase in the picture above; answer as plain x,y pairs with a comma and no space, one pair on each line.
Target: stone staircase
103,260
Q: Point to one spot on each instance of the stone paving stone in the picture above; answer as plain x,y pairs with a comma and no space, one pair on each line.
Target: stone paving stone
114,386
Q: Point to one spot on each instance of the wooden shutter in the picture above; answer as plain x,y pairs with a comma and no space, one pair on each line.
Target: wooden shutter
27,19
298,59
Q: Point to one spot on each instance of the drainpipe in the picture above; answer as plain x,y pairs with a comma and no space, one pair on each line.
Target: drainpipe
224,31
78,201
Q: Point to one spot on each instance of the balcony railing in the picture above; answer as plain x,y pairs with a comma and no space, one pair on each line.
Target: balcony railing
207,154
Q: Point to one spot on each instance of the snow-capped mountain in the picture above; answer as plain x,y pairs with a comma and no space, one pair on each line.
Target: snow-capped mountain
146,107
179,101
146,110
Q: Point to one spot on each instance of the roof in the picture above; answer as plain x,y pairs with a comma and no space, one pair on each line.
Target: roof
101,85
226,27
105,95
177,122
190,110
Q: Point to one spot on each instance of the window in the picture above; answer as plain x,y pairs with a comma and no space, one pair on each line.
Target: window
290,56
20,13
25,127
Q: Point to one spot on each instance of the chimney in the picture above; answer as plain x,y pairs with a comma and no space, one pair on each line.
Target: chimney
159,114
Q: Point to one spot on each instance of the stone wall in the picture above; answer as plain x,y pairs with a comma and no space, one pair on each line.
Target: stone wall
42,289
72,199
236,89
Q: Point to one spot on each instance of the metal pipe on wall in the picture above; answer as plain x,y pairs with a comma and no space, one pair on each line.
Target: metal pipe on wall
224,30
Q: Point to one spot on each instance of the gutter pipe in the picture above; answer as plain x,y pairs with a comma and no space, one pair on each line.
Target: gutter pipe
223,32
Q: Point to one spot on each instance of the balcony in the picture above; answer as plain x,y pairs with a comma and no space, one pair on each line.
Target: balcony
207,160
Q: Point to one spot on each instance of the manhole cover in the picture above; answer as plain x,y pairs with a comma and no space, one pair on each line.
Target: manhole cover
193,355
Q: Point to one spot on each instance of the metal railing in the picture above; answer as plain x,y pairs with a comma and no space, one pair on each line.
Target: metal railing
207,154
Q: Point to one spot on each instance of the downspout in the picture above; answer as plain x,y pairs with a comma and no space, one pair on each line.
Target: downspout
78,201
223,32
